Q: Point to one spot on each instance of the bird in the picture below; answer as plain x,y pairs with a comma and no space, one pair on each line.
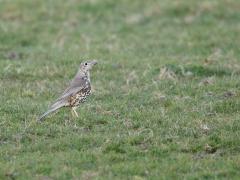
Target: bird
77,92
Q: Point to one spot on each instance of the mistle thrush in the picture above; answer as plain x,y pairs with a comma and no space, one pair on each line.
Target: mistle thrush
76,93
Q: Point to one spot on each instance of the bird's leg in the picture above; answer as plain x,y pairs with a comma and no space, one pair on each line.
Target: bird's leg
74,111
73,114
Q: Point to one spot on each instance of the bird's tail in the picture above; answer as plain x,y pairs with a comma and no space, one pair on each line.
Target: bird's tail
54,107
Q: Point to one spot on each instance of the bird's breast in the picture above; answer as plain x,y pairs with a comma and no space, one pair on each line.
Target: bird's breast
80,96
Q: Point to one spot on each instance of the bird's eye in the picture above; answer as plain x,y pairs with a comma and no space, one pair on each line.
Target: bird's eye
85,64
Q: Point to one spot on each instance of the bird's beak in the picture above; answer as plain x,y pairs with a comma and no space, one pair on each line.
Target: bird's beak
94,62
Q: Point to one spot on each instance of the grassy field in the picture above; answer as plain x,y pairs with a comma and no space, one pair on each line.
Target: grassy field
165,102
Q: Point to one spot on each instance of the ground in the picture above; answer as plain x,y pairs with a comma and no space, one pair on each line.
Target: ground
165,102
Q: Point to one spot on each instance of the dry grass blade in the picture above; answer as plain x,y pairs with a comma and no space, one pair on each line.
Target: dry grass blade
166,73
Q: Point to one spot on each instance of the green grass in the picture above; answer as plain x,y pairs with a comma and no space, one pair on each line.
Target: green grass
166,97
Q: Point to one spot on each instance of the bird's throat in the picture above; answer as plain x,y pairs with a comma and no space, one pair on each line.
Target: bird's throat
88,75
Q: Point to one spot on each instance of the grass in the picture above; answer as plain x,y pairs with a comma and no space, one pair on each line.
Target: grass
166,91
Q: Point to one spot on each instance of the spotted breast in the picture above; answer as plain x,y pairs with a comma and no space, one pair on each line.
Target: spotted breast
81,95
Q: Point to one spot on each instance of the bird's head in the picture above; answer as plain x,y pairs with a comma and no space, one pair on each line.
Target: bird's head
86,66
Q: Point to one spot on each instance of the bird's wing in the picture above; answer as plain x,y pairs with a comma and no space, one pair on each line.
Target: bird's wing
76,85
71,91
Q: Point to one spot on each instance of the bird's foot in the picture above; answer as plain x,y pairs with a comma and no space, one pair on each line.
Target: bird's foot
74,112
